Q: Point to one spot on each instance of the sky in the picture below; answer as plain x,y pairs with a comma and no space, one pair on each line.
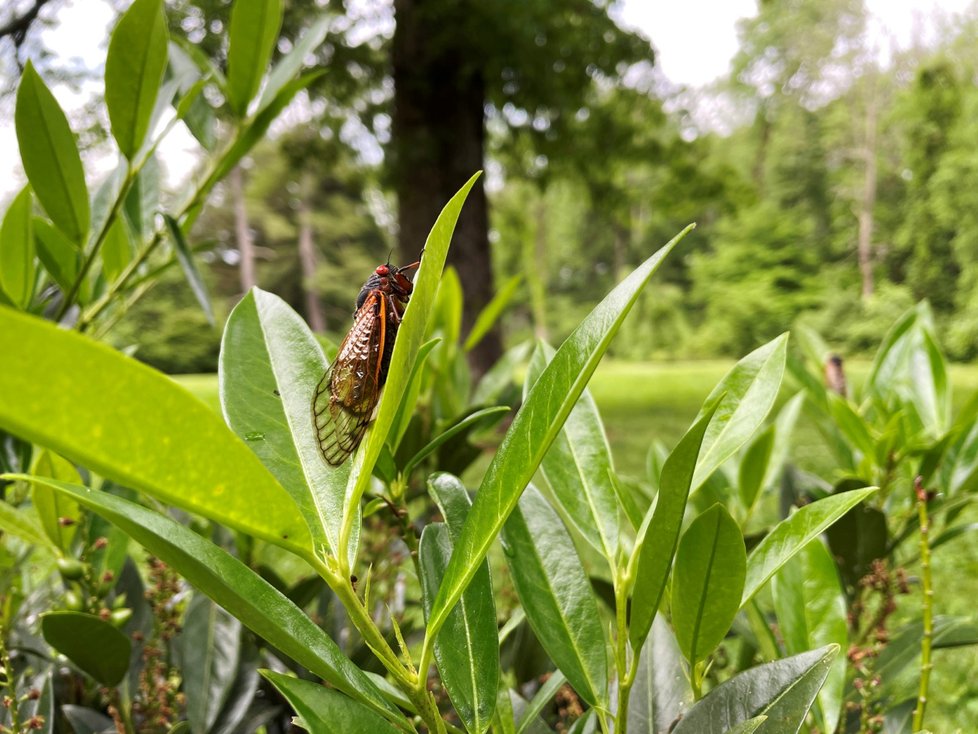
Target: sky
694,40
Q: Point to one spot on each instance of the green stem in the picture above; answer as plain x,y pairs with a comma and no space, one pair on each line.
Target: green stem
626,672
10,683
928,611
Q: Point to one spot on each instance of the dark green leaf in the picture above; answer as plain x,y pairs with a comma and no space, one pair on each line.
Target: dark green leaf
708,579
462,426
528,717
754,467
749,726
556,595
190,272
254,29
210,654
467,647
238,589
409,399
783,691
792,534
534,428
857,539
17,249
95,646
60,258
751,388
133,72
50,157
656,543
323,710
811,611
578,467
87,721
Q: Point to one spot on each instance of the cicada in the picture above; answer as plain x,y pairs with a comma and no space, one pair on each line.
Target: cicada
346,397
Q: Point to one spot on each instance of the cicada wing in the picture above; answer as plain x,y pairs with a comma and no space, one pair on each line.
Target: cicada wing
347,395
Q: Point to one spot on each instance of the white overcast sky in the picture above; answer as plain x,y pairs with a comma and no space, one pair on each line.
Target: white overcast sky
694,40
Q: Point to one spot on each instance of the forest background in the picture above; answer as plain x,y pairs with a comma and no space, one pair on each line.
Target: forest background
831,172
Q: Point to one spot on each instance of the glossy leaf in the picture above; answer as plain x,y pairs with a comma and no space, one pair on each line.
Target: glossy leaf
578,466
253,32
783,691
95,646
749,391
186,259
210,654
290,64
322,709
17,249
556,595
792,534
660,693
133,72
50,156
269,367
53,507
409,400
490,314
467,647
79,398
410,336
811,609
852,425
658,536
749,726
236,588
143,200
707,582
535,427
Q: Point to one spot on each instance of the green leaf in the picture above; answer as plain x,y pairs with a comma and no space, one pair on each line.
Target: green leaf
534,428
288,66
751,388
254,30
17,250
210,653
467,647
811,609
95,646
857,539
708,579
528,717
658,536
852,425
190,272
749,726
116,249
269,367
661,692
578,465
449,433
410,336
143,200
783,691
50,156
50,505
137,427
754,467
409,400
20,524
792,534
87,721
133,71
60,258
490,314
556,595
235,587
322,710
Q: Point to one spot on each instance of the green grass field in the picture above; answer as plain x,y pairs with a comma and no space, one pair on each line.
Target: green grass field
643,402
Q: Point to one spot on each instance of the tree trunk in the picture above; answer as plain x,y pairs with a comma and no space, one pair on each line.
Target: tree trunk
242,232
868,199
307,264
438,139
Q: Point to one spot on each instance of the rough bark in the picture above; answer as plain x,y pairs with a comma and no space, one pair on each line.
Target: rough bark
438,143
242,232
307,264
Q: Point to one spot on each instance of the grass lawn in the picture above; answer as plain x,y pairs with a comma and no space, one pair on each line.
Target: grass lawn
643,402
